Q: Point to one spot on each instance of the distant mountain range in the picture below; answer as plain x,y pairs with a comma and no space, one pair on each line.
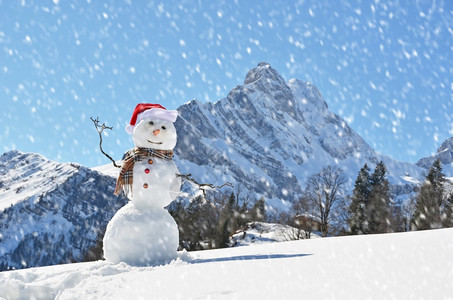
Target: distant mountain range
51,213
266,137
444,154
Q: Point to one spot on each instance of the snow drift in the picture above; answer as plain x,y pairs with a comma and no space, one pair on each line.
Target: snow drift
414,265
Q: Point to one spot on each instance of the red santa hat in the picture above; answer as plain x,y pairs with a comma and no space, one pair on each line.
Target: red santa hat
152,111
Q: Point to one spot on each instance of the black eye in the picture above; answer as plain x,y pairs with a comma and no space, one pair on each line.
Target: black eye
163,127
151,123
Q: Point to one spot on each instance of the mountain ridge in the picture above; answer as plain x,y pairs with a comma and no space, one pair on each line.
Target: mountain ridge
444,154
55,214
269,136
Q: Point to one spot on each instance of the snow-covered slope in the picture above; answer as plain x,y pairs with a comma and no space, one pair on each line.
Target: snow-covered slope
50,212
27,175
414,265
267,136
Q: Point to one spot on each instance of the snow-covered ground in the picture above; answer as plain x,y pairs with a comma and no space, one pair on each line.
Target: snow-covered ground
414,265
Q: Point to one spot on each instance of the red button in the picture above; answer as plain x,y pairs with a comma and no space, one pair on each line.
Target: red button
146,171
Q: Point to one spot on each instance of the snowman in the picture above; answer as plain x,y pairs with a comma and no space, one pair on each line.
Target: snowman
142,232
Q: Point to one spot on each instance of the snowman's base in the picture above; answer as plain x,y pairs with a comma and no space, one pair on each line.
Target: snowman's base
144,237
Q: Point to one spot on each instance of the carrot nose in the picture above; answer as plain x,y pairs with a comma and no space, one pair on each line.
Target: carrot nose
156,132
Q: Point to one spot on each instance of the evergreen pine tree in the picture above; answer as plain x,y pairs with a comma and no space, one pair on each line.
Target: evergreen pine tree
258,211
227,222
377,208
96,252
447,215
429,200
199,224
360,194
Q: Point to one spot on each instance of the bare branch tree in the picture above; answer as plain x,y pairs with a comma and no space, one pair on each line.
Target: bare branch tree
324,191
100,129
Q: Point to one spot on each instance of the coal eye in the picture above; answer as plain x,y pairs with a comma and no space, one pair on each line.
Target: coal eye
151,123
163,127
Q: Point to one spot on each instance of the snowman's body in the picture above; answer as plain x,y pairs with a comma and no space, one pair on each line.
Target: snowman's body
141,237
154,181
143,232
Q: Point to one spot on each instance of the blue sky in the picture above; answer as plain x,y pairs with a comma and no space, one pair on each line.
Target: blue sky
386,67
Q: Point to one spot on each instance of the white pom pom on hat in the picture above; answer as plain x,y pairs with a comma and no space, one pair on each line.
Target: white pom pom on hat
152,111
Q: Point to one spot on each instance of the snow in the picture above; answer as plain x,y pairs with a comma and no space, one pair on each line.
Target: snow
414,265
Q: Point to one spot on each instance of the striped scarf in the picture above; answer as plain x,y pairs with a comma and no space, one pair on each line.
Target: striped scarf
125,178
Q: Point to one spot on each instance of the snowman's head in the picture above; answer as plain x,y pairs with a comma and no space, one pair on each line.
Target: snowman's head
155,134
152,126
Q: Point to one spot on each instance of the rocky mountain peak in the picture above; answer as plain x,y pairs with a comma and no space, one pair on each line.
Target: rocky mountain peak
267,136
263,77
444,154
308,94
447,145
263,71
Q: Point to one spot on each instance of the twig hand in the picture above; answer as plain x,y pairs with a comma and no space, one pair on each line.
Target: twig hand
100,129
203,186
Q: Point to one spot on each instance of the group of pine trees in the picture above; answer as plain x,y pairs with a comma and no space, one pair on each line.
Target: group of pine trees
210,224
433,208
371,209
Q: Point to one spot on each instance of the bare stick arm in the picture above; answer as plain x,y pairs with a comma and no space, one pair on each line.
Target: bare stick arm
100,129
203,186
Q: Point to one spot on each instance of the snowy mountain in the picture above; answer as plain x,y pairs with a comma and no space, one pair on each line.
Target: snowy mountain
267,136
412,265
444,154
50,213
